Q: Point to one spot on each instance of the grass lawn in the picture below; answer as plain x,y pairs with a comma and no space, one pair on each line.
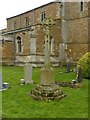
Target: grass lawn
17,104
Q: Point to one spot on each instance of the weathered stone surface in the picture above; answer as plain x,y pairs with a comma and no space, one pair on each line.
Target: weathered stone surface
47,76
28,73
47,92
70,30
79,77
69,84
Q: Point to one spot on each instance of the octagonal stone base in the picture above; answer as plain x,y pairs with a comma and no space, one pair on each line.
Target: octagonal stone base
47,92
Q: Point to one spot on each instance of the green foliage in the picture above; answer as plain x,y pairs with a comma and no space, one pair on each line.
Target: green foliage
84,62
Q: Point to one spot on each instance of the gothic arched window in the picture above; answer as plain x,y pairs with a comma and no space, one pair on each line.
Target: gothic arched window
52,44
81,6
19,44
43,16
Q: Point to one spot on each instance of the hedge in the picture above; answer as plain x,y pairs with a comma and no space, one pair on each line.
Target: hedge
84,63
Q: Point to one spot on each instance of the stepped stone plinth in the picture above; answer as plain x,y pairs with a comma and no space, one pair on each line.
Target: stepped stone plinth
47,92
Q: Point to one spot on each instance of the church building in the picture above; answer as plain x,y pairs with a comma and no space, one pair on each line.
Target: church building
69,35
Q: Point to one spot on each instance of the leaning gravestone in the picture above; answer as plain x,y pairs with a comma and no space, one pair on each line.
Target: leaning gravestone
78,82
28,73
79,77
68,67
0,96
0,81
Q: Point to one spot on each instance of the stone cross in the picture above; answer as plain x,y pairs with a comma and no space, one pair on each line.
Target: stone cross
28,73
47,24
47,76
47,89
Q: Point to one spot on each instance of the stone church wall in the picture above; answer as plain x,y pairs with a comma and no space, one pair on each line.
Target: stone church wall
69,34
75,30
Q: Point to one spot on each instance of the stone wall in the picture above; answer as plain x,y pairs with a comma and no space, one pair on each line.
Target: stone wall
72,10
7,53
0,52
33,44
75,30
69,34
76,51
89,26
0,47
52,10
6,49
32,40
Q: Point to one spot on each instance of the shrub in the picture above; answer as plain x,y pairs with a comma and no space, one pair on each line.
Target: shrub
84,62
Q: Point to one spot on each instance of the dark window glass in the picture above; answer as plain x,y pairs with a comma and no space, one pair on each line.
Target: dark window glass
19,46
43,16
27,21
82,5
14,25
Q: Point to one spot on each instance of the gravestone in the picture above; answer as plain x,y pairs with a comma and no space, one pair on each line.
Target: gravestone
0,96
47,89
68,67
28,73
79,77
0,81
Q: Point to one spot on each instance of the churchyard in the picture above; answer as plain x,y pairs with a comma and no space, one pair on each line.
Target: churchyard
16,103
45,92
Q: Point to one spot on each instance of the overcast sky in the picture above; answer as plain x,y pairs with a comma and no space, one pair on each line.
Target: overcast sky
9,8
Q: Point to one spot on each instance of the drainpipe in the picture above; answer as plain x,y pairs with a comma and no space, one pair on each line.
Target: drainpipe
14,49
20,21
33,23
61,35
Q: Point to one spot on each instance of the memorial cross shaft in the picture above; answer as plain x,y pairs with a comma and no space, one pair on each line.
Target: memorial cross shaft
47,89
47,24
47,74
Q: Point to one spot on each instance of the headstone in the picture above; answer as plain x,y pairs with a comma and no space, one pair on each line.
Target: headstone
79,77
28,73
0,81
68,67
75,69
0,95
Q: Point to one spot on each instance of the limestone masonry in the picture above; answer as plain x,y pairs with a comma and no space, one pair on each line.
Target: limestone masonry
23,41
